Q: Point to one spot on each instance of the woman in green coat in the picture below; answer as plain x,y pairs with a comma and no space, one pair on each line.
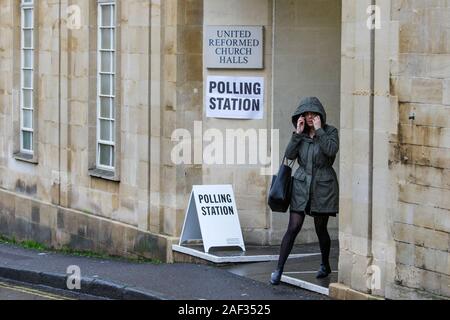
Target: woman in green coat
315,189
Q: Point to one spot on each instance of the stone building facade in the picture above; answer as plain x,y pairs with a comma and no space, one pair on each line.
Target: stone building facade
387,90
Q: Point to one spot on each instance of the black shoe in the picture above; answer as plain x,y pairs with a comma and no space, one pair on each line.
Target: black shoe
323,272
276,277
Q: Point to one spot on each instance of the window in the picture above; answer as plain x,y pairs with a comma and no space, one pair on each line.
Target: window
27,77
106,85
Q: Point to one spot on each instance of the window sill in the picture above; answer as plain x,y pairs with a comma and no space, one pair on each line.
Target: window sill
24,157
104,174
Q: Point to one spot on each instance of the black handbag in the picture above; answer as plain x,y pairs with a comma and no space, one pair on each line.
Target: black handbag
281,188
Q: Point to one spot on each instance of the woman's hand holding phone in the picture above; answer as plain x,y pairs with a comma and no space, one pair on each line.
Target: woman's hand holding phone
300,125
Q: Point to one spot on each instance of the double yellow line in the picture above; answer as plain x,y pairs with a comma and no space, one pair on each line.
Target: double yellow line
32,292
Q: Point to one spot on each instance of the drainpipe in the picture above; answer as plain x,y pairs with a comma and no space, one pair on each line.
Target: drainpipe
149,119
371,142
59,102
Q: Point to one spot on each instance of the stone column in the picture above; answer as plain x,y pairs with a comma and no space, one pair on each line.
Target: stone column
355,232
384,204
155,102
7,41
176,90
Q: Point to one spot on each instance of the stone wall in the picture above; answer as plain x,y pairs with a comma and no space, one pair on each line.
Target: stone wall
159,88
24,218
420,79
394,230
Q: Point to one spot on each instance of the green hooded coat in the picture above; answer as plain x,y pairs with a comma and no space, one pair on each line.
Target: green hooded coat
315,179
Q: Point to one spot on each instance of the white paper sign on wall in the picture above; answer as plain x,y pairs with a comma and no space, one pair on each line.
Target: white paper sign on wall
212,216
235,97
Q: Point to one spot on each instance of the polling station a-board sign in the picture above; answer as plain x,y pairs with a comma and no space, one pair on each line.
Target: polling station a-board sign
235,97
212,217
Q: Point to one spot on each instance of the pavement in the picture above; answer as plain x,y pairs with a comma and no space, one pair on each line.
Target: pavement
304,268
119,279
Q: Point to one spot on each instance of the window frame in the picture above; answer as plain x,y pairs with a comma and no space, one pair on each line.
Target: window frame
27,5
112,74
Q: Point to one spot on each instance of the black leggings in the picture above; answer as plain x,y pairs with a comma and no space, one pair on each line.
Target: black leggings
296,220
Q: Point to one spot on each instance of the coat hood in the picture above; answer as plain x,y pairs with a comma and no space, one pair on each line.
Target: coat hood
309,104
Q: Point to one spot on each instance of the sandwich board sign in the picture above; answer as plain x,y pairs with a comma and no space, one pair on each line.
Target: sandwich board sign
212,216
